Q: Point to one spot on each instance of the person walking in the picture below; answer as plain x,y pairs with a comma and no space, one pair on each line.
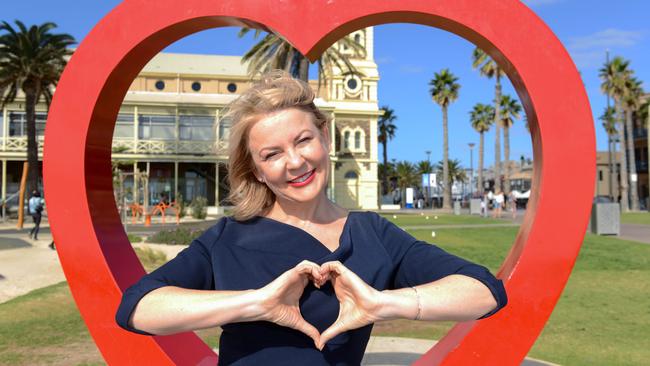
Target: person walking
35,209
498,204
513,204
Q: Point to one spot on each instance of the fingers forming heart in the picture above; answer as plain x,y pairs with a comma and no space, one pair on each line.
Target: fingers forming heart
357,300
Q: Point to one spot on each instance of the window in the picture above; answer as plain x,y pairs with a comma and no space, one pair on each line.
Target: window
224,129
196,86
600,175
124,125
18,123
357,38
358,144
351,175
196,127
352,85
156,127
232,87
160,85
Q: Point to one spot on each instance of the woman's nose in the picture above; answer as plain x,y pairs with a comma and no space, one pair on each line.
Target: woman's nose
295,160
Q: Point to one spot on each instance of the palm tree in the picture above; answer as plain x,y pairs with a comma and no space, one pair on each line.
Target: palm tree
631,103
481,117
614,75
644,115
456,172
424,167
510,110
274,52
609,124
489,68
387,130
406,176
444,91
31,60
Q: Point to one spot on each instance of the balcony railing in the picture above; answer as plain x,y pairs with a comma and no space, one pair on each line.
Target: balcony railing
130,146
19,143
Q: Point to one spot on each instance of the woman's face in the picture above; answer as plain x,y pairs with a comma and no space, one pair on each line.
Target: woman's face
290,154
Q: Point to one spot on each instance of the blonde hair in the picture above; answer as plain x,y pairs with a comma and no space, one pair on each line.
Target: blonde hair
275,91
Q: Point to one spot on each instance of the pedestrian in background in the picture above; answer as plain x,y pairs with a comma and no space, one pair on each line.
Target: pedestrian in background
35,209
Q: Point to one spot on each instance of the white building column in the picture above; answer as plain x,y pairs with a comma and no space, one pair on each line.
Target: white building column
135,183
4,180
175,180
136,127
5,128
216,186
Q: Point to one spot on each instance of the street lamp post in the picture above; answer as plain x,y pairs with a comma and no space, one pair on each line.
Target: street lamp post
471,168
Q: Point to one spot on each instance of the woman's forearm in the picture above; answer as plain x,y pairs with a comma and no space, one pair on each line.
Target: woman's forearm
170,309
455,298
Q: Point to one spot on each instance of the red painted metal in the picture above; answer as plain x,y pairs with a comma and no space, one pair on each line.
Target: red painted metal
99,262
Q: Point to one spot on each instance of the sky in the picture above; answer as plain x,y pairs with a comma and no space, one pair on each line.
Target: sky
408,56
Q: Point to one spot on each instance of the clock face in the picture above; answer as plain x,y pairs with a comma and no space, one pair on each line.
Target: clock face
352,85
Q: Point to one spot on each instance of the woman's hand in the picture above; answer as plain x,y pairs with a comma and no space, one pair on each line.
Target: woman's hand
359,303
280,298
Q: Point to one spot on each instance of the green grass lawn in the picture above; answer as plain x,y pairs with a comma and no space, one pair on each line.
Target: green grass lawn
427,218
603,317
642,218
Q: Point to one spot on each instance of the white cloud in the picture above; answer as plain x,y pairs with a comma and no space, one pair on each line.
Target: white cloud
607,38
384,60
411,69
540,2
589,51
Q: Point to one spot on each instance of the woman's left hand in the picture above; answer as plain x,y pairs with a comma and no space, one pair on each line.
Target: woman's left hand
359,303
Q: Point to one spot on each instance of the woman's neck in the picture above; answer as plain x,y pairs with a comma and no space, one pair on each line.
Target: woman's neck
320,211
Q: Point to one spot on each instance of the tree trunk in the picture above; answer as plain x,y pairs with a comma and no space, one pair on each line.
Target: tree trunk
479,186
634,193
31,91
497,134
610,165
384,182
622,158
446,204
303,69
647,126
506,159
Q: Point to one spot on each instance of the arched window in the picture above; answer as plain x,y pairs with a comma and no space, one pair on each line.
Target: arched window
351,175
357,140
346,140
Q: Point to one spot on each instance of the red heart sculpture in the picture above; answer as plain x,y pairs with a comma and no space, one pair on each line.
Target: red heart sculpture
95,253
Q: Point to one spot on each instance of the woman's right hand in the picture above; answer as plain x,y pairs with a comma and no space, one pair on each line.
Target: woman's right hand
280,298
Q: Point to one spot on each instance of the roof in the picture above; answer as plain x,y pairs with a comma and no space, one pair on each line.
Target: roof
185,63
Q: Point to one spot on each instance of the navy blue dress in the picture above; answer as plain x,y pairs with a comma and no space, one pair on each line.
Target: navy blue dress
243,255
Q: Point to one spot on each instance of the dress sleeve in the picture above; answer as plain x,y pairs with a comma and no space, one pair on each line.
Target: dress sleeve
417,262
191,269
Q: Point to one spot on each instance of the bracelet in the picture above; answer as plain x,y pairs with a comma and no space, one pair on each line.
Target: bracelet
417,295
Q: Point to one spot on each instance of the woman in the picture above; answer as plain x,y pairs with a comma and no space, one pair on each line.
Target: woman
291,277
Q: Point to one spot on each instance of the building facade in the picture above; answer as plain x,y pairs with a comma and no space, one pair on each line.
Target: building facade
170,127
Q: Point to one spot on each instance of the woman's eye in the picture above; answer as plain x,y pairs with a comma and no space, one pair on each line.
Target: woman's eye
304,139
267,157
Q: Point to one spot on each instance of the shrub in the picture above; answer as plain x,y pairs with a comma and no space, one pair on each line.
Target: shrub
179,236
134,238
199,210
151,258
